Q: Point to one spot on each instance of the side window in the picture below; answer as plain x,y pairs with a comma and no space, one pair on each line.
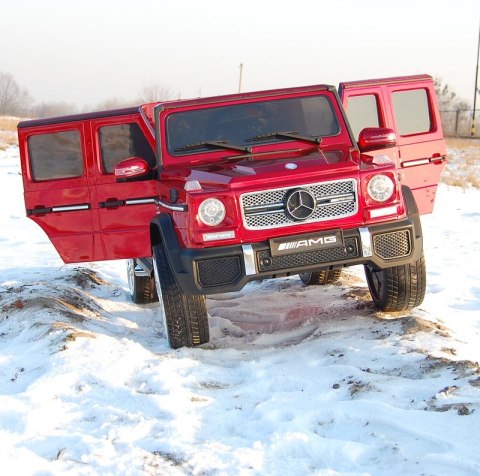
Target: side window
362,111
56,155
122,141
411,110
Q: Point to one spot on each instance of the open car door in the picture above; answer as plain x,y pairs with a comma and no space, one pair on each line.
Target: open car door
408,106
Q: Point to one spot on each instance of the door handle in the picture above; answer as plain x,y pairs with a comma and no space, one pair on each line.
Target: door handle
112,203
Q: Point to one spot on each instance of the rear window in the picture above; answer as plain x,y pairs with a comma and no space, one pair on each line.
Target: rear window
56,155
412,112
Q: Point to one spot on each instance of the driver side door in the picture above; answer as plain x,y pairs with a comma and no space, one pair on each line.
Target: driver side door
125,208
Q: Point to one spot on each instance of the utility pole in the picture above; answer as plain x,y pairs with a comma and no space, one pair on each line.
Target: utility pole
240,78
472,131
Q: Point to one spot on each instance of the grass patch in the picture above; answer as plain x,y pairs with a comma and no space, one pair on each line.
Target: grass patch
8,123
8,131
463,165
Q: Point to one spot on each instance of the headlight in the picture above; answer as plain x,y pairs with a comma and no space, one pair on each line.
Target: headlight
380,188
211,212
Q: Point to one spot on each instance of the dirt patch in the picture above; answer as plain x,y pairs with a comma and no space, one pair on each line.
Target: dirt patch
413,324
72,334
361,296
461,408
73,304
463,368
86,278
358,387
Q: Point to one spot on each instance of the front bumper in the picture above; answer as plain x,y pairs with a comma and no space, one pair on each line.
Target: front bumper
229,268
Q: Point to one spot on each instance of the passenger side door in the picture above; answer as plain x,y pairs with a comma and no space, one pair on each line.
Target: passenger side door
408,106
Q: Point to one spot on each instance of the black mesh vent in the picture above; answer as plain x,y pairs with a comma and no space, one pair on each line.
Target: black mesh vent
307,258
392,245
219,271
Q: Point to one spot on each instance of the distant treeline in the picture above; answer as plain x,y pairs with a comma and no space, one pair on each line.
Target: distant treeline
15,100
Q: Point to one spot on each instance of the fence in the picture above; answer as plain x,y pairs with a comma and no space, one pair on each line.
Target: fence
458,123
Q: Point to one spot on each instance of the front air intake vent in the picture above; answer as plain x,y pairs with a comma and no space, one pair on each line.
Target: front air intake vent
392,245
281,207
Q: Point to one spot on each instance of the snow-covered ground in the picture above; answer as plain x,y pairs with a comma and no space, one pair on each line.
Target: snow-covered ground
295,381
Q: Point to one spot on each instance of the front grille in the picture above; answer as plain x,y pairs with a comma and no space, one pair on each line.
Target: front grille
219,271
267,209
267,262
392,245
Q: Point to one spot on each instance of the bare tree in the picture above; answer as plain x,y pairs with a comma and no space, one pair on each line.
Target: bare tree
447,98
14,100
111,103
154,92
51,109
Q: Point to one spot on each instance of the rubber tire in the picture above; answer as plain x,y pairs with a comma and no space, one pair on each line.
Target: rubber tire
185,316
142,288
323,277
399,288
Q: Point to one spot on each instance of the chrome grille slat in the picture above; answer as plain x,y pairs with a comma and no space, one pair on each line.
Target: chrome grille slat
266,209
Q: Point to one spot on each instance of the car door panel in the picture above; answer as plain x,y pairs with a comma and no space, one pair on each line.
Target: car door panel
408,106
125,209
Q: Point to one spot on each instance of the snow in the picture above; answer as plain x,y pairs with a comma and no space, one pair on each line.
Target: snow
295,381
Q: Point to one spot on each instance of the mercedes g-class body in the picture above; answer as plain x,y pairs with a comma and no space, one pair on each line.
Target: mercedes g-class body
202,196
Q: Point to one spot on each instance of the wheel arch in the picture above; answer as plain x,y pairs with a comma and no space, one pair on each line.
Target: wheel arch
162,231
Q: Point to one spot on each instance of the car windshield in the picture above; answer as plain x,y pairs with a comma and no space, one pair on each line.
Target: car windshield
253,123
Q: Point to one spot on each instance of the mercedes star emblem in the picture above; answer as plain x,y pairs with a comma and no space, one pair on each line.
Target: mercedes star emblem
300,204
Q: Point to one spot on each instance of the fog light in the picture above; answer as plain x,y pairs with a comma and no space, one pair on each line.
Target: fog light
266,262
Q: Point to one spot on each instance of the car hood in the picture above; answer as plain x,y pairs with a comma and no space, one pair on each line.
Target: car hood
287,167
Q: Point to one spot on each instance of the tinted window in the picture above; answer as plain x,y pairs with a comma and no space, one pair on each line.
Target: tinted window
240,123
362,111
56,156
411,111
122,141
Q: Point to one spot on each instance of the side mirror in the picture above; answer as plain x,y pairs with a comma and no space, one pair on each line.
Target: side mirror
133,167
372,138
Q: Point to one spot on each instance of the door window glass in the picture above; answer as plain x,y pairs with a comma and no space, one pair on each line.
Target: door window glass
57,155
362,111
411,111
121,141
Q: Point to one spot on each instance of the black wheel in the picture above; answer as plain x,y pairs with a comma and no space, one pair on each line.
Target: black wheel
328,276
142,288
399,288
185,316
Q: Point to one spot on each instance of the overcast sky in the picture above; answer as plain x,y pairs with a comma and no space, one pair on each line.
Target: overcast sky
87,51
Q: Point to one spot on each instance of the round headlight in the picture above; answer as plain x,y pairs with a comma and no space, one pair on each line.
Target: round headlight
211,212
381,188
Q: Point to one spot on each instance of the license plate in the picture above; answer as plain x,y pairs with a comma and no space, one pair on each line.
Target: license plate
303,243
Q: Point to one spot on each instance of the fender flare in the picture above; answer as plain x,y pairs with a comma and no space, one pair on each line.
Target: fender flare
412,210
162,231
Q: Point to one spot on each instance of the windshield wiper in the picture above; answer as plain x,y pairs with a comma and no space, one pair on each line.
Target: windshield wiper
219,144
285,135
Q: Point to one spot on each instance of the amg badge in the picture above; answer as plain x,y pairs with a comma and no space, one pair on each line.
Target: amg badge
304,243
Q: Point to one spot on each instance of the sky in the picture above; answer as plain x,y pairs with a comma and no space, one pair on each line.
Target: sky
88,51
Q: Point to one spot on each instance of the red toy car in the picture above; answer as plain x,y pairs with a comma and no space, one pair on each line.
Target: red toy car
205,195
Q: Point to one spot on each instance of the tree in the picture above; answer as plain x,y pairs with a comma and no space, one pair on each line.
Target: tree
447,98
111,103
51,109
14,100
154,92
